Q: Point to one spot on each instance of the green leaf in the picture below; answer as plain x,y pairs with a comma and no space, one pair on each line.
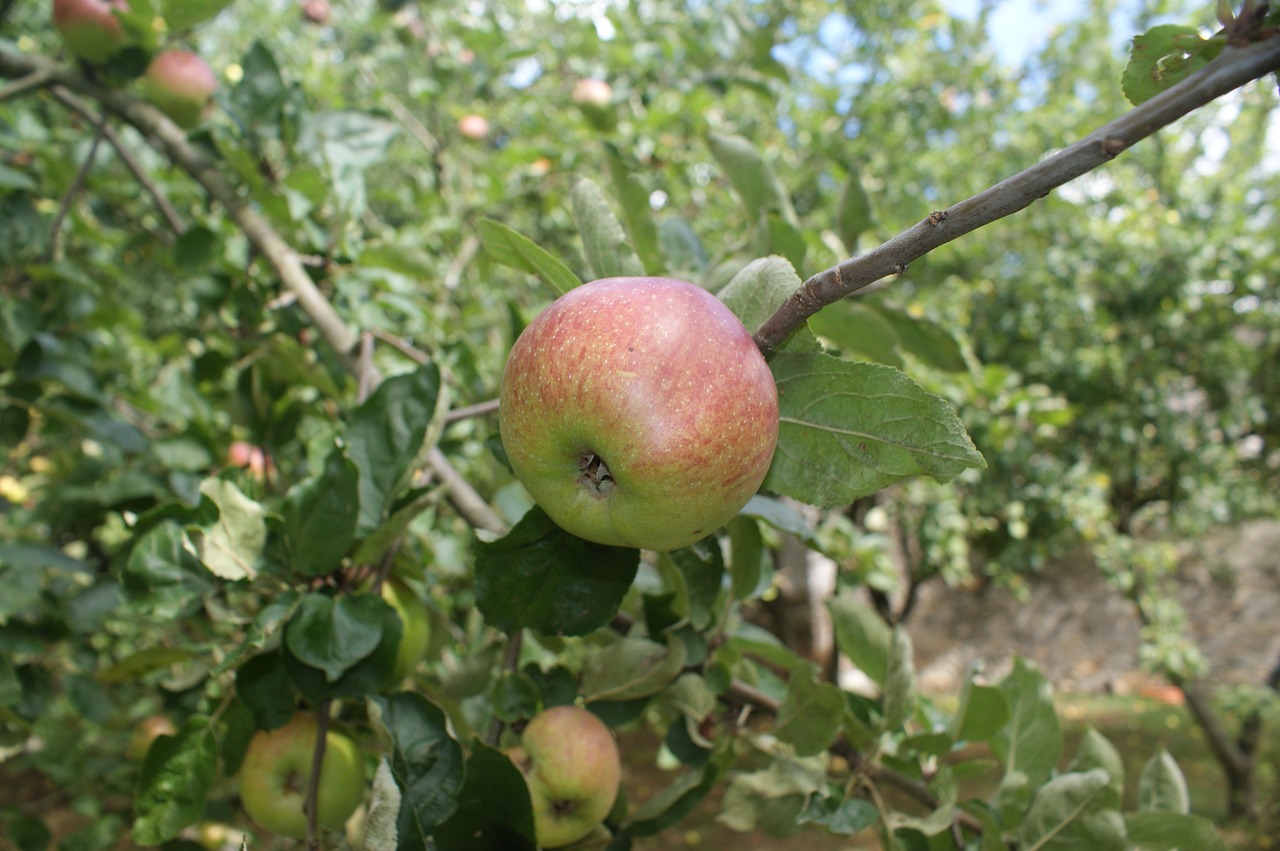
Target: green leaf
632,668
320,517
1165,55
849,429
1031,741
1172,831
542,578
839,815
855,328
174,782
476,824
405,511
387,434
923,339
426,763
810,715
164,573
758,290
675,801
982,711
861,634
853,212
746,556
1096,751
185,14
1162,787
513,249
367,675
772,798
260,95
1067,814
635,212
262,684
783,517
899,680
142,662
603,240
700,580
750,175
334,634
232,547
384,809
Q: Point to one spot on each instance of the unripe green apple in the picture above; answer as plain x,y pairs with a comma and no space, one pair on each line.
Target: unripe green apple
273,776
638,412
571,765
181,84
89,28
415,621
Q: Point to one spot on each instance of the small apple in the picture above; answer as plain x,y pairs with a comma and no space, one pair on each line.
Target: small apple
638,412
182,85
571,765
595,99
147,731
240,452
415,621
317,11
473,127
272,780
89,28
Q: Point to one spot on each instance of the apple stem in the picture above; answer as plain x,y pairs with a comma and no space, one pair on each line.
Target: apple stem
313,780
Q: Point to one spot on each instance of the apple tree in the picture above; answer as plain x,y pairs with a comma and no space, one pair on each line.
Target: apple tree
268,480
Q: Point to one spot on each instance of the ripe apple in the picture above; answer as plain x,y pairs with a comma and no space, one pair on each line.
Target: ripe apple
595,99
638,412
416,623
89,28
316,11
571,765
147,731
473,127
182,85
272,780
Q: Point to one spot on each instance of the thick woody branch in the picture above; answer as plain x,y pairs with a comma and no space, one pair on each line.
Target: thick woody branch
172,140
1233,68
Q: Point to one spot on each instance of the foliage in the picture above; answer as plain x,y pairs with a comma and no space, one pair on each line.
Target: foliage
1084,374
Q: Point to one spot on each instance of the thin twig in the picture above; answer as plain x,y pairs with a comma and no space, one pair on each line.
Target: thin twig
172,140
410,351
313,779
74,189
479,409
1233,68
35,80
158,197
470,505
467,253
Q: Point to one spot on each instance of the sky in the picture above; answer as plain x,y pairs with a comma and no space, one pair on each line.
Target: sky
1020,28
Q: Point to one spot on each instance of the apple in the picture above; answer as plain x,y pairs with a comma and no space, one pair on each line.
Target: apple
89,28
571,765
316,11
638,412
473,127
273,776
147,731
182,85
595,99
415,621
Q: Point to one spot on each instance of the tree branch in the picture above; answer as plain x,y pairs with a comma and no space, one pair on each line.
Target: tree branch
162,203
172,140
1233,68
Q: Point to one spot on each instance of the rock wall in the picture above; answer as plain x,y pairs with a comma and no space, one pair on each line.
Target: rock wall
1086,638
